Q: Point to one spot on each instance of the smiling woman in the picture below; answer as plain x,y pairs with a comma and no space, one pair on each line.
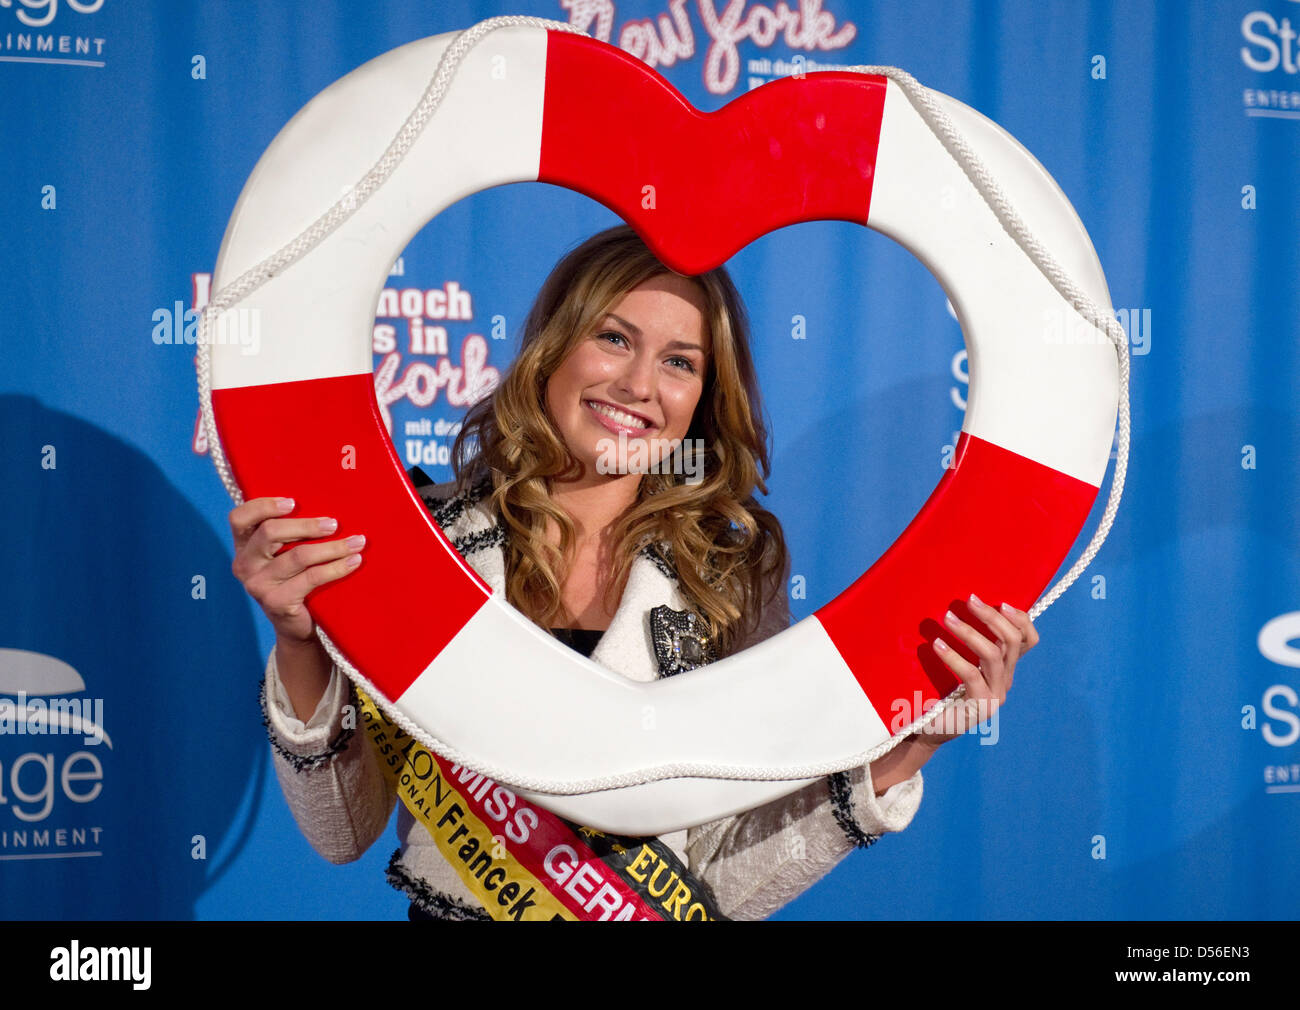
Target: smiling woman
620,350
649,572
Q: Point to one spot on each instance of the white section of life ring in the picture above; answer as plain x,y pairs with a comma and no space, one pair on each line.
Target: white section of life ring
340,134
1036,395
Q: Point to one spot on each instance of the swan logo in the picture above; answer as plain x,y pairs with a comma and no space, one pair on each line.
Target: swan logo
52,745
27,674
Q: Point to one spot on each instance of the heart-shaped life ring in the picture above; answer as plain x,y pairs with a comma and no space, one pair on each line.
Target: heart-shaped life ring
517,99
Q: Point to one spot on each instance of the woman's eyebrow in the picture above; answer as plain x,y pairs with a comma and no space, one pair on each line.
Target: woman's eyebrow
636,330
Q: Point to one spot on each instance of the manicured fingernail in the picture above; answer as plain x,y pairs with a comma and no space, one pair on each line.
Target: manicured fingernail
976,600
950,618
1007,608
328,525
941,645
355,543
352,560
284,504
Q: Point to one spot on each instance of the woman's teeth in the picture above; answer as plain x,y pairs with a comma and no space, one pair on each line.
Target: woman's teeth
618,416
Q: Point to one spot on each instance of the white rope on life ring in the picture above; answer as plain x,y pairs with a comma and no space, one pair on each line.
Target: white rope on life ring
871,146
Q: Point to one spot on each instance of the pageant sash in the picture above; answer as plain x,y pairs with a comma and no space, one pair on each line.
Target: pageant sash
523,862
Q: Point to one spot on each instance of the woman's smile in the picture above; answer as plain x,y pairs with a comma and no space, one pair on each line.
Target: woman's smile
617,420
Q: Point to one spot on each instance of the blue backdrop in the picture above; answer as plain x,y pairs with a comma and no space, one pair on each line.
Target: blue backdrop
1147,763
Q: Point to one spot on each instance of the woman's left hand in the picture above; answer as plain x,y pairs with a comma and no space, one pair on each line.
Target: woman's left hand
987,684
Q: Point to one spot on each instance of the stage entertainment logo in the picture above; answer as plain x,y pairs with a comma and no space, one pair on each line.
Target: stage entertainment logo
52,751
28,33
1269,50
720,27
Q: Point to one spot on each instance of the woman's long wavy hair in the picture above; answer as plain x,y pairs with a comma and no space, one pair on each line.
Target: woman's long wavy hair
729,552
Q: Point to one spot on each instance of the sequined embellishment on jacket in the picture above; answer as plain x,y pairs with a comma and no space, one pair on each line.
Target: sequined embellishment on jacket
680,640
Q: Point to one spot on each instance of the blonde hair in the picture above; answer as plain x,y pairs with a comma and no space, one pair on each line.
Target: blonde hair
728,552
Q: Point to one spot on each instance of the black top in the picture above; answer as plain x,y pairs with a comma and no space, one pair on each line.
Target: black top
581,640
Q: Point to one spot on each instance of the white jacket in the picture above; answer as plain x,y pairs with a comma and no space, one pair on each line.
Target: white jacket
755,862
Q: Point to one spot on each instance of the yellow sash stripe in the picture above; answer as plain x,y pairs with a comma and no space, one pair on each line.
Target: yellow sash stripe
505,887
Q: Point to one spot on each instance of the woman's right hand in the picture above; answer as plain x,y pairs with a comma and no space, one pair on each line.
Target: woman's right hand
281,582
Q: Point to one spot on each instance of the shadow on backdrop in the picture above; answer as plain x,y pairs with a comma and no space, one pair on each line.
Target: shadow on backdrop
102,577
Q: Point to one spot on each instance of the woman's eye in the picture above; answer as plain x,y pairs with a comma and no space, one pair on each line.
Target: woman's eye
612,336
684,363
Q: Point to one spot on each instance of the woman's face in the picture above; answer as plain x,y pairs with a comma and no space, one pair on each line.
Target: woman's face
629,388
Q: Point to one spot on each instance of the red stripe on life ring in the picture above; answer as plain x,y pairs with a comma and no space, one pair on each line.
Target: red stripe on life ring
775,156
998,524
412,594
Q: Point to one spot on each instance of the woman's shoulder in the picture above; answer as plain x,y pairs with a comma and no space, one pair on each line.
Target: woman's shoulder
425,486
446,502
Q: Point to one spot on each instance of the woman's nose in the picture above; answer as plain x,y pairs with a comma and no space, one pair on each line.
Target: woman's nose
638,377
